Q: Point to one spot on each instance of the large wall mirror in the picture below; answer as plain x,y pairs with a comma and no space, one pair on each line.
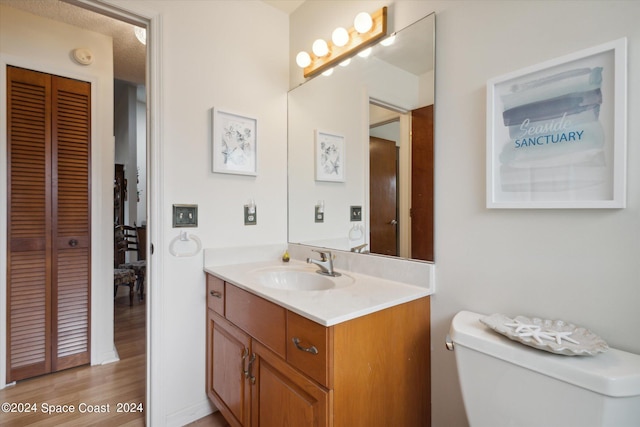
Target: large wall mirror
360,151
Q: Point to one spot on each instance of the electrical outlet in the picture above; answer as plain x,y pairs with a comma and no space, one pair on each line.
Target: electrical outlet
356,213
250,216
319,216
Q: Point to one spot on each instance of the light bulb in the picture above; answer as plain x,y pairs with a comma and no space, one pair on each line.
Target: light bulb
303,59
365,53
141,34
363,22
320,48
389,40
340,37
328,72
345,62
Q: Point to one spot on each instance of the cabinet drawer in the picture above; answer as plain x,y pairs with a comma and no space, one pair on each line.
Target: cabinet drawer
309,348
262,319
215,294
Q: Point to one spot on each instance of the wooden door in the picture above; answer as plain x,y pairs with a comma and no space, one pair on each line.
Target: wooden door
48,122
282,396
422,184
383,199
228,357
71,228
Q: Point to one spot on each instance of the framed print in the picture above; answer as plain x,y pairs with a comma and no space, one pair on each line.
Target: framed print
556,132
330,157
234,143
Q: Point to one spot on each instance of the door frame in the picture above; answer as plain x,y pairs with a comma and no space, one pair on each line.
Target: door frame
135,14
101,222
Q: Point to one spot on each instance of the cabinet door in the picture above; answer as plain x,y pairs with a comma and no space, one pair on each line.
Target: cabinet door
281,396
227,360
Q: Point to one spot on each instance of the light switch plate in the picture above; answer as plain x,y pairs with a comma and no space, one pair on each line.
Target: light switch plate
185,216
356,213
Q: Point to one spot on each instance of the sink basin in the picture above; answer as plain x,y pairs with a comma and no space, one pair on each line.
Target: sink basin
297,279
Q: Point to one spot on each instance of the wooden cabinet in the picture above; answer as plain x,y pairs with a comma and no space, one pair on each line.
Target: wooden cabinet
282,396
228,350
270,367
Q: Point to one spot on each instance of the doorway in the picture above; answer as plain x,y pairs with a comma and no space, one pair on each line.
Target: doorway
410,221
123,17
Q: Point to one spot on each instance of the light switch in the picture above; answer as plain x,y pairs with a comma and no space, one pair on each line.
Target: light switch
185,216
356,213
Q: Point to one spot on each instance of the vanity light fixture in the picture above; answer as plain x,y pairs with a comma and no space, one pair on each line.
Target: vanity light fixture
366,31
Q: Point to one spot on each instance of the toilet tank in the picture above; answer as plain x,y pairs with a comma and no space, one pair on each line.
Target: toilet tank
505,383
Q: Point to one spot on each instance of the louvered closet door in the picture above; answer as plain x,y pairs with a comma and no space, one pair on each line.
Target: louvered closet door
71,135
29,224
48,264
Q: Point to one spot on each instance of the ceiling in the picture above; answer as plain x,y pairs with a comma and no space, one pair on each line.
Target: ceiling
129,55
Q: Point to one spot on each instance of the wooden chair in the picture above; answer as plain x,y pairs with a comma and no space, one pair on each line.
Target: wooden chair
126,277
126,240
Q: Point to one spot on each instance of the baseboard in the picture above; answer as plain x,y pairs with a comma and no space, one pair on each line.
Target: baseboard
109,357
190,413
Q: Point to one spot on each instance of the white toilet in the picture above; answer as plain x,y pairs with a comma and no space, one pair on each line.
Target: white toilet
505,383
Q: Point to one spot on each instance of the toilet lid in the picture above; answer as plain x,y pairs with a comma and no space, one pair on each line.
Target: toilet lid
615,373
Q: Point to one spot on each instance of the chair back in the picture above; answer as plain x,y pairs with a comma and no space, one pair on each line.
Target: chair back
126,240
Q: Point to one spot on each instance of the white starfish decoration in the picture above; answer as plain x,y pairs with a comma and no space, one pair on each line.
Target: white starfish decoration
536,332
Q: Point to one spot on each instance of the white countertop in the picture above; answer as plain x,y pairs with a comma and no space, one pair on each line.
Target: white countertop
355,294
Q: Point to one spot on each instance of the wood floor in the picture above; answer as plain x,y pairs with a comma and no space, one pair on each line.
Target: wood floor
114,387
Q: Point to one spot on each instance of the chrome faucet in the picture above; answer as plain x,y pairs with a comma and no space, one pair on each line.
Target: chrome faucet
359,249
325,263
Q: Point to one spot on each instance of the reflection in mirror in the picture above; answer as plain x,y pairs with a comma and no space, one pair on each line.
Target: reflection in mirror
379,110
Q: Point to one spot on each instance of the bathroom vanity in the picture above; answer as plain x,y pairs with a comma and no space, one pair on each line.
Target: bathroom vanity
354,354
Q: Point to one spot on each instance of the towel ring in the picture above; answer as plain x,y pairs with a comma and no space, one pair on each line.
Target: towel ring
356,232
184,237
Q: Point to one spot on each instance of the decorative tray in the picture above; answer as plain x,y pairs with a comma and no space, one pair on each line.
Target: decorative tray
555,336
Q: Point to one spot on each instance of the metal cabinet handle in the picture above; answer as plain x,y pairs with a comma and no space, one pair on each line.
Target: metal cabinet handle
312,349
250,376
215,294
245,353
73,243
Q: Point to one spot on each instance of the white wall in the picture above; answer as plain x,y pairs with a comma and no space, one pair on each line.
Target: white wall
232,55
126,144
577,265
26,41
141,148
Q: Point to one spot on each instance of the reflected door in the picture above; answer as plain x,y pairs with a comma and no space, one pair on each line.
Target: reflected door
383,196
422,184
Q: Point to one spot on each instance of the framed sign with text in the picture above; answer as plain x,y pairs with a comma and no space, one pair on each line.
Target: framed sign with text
556,132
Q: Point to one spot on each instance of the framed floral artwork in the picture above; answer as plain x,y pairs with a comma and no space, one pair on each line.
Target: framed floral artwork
235,142
330,157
